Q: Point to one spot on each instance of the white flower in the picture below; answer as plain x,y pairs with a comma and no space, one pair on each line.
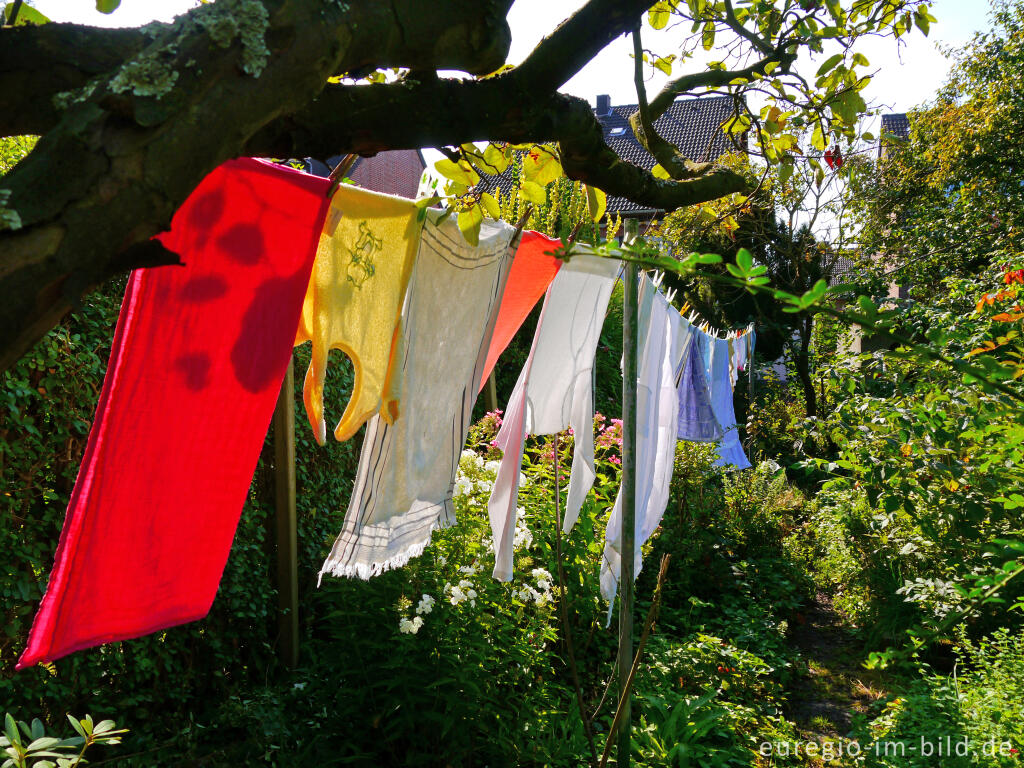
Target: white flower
527,593
455,594
469,570
520,513
484,486
540,573
522,539
522,479
442,560
544,584
425,605
410,626
465,584
463,485
492,466
467,454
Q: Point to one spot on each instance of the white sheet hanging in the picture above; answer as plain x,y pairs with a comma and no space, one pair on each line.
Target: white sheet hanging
555,390
662,340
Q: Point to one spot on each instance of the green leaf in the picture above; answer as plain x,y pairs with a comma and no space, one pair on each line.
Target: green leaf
541,165
785,171
658,16
922,21
461,172
818,137
659,172
664,63
496,158
744,260
830,62
707,36
27,15
490,205
107,6
11,730
708,258
597,201
469,224
77,726
533,192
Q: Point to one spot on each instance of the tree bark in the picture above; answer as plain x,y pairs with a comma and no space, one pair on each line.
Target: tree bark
802,361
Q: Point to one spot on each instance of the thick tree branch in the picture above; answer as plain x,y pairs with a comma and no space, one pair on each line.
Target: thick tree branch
577,40
369,119
120,162
38,62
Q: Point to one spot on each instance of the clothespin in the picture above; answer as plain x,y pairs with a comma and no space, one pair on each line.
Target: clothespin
670,295
685,308
575,231
658,277
339,172
527,212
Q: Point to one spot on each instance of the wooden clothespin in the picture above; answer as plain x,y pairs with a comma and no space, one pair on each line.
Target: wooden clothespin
527,212
575,231
339,172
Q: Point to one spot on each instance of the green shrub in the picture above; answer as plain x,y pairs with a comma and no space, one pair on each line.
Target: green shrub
979,707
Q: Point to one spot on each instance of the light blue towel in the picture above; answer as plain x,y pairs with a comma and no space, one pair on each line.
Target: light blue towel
697,422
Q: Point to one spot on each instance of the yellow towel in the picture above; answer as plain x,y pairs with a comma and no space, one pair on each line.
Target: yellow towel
354,302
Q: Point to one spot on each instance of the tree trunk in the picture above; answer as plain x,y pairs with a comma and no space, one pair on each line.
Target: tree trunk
803,367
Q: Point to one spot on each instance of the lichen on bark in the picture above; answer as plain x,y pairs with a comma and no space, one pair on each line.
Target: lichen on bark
246,20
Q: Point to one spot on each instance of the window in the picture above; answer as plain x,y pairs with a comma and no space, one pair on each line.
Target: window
619,131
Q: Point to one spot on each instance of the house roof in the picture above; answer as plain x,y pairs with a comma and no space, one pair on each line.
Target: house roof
693,125
896,125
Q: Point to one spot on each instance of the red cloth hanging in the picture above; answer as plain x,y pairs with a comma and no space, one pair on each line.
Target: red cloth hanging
531,274
198,357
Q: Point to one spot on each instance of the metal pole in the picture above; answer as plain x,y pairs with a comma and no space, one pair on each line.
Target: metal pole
629,373
285,522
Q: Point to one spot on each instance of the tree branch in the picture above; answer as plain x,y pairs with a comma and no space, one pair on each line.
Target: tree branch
372,118
714,78
668,156
38,62
577,40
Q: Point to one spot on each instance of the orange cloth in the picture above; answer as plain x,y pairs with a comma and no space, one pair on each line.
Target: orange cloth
532,272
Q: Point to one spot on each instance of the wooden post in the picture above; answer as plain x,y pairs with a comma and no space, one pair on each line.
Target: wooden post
629,373
285,522
491,395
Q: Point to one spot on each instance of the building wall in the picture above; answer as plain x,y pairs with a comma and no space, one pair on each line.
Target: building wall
396,172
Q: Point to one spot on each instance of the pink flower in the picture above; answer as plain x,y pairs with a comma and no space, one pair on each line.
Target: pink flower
615,460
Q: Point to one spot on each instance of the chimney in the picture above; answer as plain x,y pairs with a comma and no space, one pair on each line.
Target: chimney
604,105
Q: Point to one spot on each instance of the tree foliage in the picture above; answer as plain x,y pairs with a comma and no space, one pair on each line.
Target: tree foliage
948,200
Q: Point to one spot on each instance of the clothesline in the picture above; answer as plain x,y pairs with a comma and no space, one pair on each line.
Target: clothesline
422,315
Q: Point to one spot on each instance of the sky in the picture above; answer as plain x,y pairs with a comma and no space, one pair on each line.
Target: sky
908,75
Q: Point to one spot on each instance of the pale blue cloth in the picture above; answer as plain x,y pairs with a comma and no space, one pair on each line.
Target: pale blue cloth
697,422
730,452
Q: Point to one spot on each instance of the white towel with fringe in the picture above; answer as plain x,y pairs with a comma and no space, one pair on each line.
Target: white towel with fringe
406,474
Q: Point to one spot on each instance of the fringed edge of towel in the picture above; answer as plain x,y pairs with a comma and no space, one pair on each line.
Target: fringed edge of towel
367,571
